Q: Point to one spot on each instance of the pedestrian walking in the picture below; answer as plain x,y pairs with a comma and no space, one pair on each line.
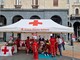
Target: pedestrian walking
59,40
63,43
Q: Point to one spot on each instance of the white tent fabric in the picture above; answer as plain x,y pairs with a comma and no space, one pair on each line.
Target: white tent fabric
39,25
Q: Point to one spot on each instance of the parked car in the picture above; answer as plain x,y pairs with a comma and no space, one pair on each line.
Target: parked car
79,39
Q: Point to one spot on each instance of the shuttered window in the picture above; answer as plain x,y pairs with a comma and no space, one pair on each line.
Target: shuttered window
55,2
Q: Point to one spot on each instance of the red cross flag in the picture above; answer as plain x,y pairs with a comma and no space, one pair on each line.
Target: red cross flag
6,51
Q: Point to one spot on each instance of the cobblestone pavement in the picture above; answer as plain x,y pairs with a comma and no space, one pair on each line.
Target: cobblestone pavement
67,54
72,51
23,56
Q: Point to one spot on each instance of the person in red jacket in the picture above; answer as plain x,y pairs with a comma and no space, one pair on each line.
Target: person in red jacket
35,50
27,42
52,46
31,42
17,42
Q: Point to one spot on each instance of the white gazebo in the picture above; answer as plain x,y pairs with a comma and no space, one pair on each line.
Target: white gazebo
36,25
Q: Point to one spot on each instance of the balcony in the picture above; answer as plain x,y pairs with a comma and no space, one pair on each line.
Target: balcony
18,6
1,6
35,6
75,17
76,4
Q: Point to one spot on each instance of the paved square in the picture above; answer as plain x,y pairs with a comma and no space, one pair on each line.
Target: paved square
24,56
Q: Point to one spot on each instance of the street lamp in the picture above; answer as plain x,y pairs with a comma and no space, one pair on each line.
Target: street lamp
71,18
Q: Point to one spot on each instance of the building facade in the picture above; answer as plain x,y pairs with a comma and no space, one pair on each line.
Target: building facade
12,11
74,15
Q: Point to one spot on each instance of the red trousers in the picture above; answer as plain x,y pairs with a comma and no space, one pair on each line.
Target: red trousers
35,55
53,52
56,47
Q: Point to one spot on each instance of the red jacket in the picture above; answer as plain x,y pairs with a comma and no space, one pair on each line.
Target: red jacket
27,43
35,47
52,41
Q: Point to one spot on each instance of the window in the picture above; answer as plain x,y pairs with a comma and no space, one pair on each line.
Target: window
1,2
77,1
34,3
77,11
18,2
55,2
68,1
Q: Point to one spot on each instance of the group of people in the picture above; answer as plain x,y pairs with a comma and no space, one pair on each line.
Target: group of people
41,46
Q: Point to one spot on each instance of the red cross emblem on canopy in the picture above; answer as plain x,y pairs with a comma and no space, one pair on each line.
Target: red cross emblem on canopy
5,50
35,23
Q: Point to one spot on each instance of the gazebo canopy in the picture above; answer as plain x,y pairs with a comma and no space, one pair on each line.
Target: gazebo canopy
36,25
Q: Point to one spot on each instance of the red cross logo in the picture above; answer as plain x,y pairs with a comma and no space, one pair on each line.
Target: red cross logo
35,23
5,50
